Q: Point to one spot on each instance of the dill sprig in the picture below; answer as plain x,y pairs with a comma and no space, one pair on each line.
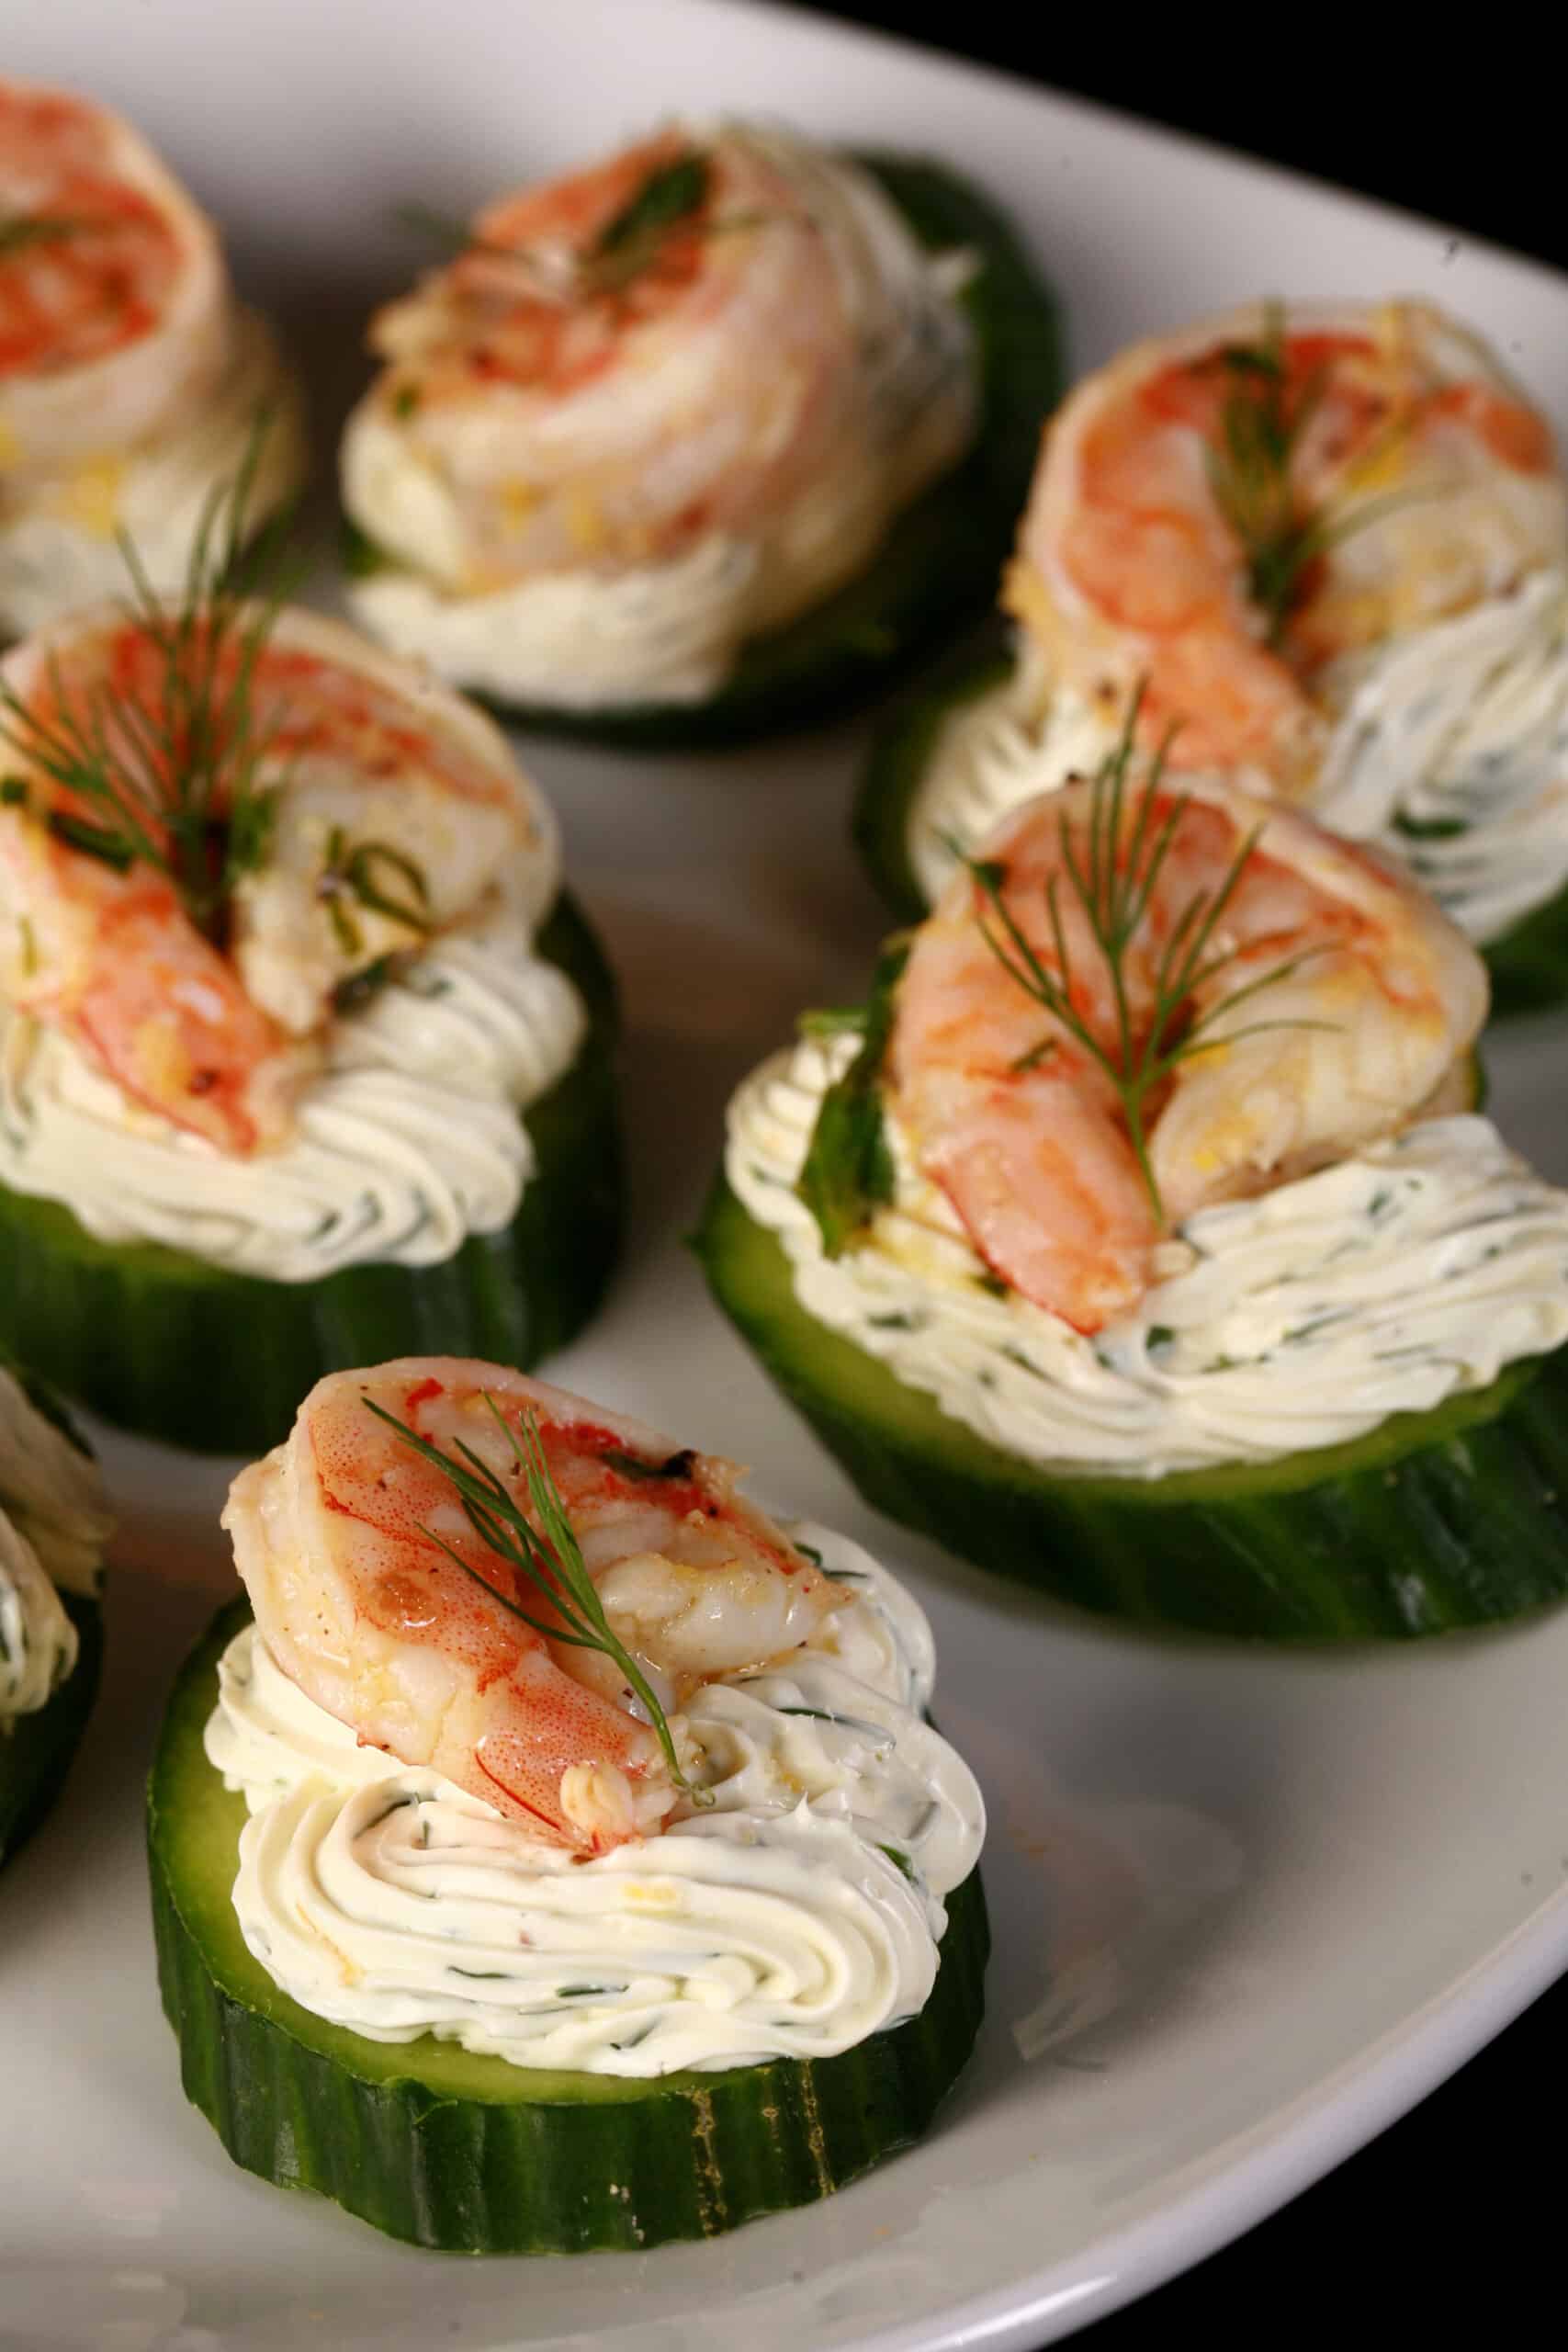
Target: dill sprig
1112,867
549,1557
667,200
847,1172
1263,422
176,781
349,873
187,778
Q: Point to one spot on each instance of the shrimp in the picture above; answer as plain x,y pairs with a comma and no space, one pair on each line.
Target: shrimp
1434,483
114,309
1015,1121
366,1613
393,810
551,404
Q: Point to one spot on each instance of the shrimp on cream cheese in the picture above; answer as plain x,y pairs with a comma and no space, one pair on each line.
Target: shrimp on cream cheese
651,409
1326,1003
382,1603
130,379
1330,545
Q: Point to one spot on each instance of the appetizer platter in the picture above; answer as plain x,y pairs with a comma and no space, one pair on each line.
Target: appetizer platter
560,1845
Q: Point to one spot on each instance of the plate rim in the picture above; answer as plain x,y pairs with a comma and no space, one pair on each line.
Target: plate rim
1265,2168
1344,2114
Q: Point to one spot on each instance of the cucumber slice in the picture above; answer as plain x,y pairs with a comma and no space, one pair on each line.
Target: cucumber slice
1455,1517
469,2153
1528,964
35,1753
165,1343
940,562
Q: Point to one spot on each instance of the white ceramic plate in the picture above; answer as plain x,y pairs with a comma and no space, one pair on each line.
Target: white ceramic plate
1248,1908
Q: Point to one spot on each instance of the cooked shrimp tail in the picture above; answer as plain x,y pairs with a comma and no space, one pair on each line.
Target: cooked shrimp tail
1234,512
463,1564
1135,1003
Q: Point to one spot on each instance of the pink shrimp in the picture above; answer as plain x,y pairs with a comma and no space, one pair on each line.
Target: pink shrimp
88,264
1435,480
550,404
114,311
214,1030
1016,1122
372,1620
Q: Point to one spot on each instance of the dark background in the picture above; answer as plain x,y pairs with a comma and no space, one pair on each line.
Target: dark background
1450,2225
1463,119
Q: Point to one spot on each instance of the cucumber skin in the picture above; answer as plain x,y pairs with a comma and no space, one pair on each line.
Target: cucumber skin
1528,964
35,1753
166,1344
938,564
469,2154
1435,1520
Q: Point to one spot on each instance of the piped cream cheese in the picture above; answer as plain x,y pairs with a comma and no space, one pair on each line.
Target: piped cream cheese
1414,1270
793,1913
1449,749
410,1138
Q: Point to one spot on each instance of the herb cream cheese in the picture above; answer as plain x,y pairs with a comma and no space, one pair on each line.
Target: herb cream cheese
794,1910
1413,1271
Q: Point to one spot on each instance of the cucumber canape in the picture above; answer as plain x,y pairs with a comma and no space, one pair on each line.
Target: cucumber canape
670,1970
1396,663
307,1057
1138,1240
728,596
53,1525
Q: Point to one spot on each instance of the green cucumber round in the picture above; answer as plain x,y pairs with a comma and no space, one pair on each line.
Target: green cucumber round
473,2156
35,1753
165,1343
941,560
1528,964
1451,1518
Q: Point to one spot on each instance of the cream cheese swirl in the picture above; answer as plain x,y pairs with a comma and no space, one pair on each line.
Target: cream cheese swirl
1413,1271
54,1526
408,1140
584,640
1449,749
796,1913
